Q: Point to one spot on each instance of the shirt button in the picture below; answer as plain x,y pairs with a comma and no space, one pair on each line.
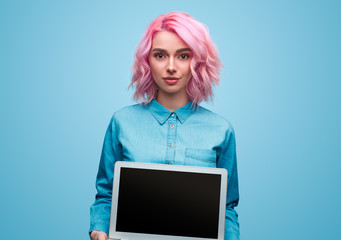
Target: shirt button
171,126
170,145
172,114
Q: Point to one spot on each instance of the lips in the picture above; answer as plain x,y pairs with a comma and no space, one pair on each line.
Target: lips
171,80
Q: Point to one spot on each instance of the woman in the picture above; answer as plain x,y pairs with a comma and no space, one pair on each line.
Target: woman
175,66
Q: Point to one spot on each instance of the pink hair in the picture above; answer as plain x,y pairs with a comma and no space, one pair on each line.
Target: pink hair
205,64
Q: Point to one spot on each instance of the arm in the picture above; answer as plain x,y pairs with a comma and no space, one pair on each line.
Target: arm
100,210
228,160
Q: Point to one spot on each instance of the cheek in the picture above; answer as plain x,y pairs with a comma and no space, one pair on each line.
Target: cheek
187,70
186,65
155,68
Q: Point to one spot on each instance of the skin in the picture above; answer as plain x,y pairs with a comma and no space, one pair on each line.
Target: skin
170,56
98,235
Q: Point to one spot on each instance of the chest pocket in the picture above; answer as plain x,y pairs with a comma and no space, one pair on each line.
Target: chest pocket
200,157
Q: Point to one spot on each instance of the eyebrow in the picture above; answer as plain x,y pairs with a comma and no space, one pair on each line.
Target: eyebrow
177,51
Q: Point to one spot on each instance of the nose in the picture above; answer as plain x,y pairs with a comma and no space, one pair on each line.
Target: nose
171,66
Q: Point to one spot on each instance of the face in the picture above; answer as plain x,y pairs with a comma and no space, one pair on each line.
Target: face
169,61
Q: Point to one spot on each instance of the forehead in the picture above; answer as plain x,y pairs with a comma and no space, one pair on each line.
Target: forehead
168,40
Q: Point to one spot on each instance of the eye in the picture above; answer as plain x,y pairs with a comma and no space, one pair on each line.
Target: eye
159,55
184,56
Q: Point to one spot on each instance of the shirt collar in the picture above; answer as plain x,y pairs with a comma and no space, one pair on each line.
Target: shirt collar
161,113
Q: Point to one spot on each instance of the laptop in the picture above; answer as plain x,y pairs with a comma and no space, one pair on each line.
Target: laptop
163,202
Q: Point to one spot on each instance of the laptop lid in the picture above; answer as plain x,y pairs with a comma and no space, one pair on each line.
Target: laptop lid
157,201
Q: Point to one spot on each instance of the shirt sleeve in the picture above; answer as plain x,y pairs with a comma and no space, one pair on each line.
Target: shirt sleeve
100,210
228,160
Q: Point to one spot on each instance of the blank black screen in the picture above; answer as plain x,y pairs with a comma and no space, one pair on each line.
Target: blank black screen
168,203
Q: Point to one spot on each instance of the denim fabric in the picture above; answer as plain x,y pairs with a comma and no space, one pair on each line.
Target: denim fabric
191,135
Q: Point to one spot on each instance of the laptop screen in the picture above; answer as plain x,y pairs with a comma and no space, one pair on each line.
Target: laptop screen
168,203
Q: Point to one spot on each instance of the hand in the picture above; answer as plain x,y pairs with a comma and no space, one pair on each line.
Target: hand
98,235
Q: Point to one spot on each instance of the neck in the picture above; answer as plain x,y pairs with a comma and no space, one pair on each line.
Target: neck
172,101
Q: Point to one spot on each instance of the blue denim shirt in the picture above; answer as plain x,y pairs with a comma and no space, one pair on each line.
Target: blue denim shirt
191,135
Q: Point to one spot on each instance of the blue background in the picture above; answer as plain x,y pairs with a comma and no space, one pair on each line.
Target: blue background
65,67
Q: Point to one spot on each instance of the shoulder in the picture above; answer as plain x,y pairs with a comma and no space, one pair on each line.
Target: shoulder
129,112
125,116
214,118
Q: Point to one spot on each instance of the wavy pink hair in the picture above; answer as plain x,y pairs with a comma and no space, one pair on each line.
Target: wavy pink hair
205,64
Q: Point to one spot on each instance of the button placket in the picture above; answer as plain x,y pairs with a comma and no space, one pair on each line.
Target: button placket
171,136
